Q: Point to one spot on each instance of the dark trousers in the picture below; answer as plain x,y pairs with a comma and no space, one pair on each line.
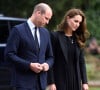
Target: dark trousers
38,86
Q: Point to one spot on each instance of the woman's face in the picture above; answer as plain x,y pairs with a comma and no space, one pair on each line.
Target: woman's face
74,22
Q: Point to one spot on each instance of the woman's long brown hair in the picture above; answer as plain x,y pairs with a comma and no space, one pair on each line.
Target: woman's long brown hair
81,33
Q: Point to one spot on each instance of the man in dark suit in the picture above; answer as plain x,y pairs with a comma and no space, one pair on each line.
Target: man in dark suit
29,62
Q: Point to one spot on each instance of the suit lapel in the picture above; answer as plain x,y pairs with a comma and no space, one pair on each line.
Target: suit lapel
64,47
30,36
42,40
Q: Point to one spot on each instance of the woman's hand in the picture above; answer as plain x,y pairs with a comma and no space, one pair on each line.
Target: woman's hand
52,87
85,87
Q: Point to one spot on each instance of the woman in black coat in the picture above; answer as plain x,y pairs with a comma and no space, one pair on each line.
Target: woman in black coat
69,70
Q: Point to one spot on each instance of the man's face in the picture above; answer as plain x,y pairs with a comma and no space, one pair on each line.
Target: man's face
43,19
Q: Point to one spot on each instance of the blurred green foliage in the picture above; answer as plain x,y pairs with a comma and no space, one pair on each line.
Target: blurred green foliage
24,8
94,88
93,67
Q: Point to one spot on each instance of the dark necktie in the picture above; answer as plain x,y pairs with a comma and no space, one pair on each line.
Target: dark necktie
36,40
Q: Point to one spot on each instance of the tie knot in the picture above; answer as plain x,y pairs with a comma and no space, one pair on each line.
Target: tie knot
35,28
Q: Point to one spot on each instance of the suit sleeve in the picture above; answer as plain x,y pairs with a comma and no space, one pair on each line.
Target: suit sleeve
12,50
49,53
51,72
83,68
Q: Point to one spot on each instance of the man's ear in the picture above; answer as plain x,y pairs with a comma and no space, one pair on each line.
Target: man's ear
38,13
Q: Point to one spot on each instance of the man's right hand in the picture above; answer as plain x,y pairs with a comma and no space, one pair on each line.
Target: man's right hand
36,67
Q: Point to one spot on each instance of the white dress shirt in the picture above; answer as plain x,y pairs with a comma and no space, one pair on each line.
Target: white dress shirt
32,28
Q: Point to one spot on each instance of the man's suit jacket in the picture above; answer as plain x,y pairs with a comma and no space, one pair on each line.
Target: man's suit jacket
21,51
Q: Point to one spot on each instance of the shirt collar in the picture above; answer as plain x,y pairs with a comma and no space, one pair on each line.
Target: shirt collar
31,24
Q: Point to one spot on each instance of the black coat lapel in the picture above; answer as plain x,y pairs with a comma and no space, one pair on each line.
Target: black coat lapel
62,41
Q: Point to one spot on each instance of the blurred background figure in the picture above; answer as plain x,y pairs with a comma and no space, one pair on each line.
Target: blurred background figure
93,46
